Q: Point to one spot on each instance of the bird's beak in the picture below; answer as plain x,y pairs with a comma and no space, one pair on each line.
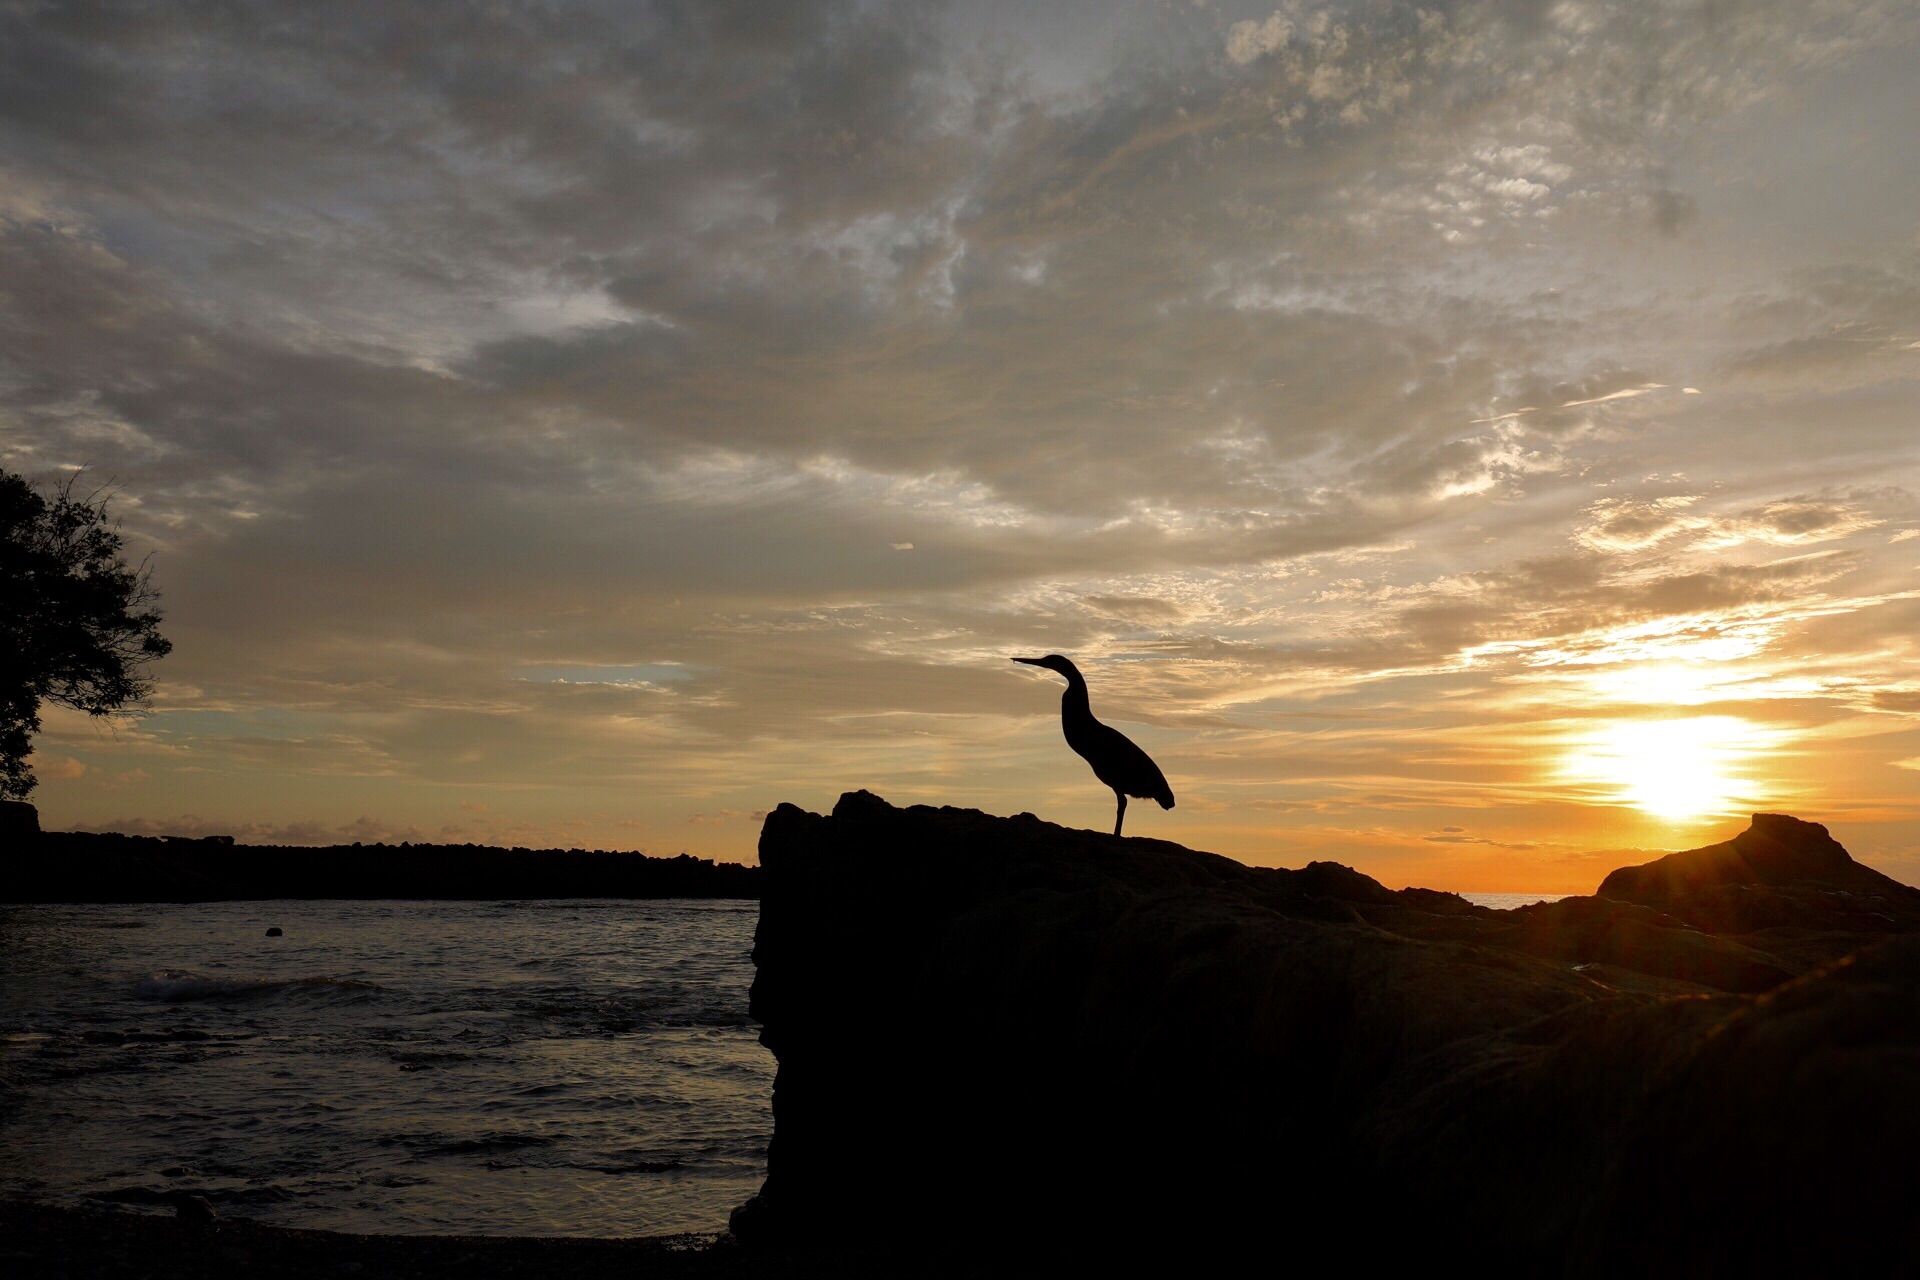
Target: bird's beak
1032,662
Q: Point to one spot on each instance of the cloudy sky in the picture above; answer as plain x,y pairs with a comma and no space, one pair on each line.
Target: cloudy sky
1475,442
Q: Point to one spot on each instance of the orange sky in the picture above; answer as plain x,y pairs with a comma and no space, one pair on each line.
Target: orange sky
604,429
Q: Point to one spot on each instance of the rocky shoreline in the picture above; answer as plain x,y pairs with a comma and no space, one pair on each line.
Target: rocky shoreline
1007,1048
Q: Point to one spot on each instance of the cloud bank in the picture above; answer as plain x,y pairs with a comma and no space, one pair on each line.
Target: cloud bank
1366,394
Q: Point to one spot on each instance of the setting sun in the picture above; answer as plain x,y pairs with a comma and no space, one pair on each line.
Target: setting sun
1686,768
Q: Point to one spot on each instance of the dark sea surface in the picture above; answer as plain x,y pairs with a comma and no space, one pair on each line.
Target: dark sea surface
539,1068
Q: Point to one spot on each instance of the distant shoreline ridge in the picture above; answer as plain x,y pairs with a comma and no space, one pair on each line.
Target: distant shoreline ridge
142,868
169,868
73,866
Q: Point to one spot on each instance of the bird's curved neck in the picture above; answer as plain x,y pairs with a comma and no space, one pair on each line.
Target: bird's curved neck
1074,701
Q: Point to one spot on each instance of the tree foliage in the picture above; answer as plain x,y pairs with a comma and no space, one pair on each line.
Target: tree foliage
77,623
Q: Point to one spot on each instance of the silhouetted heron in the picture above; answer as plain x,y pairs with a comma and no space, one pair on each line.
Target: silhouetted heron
1115,759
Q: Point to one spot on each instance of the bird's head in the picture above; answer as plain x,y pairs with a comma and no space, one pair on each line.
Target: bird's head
1053,662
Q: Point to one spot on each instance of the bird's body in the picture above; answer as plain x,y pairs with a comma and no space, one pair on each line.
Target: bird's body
1115,759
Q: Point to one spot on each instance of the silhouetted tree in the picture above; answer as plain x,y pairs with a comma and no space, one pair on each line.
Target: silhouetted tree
77,624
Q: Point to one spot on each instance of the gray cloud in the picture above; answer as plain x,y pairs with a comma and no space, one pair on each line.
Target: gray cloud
1258,352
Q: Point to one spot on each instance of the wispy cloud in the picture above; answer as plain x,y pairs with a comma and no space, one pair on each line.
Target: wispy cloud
658,411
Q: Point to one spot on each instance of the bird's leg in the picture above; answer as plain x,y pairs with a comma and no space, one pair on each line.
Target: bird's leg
1120,815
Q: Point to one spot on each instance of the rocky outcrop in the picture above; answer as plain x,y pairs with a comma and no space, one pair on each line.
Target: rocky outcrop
996,1033
1780,873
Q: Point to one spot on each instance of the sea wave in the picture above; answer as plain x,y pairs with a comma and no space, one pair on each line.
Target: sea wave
665,1005
433,1145
177,986
397,1067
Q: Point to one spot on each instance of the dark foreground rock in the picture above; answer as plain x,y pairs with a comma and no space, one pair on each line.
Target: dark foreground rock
1008,1037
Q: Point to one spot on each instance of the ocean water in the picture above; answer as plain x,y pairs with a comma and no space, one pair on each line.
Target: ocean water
1508,901
538,1068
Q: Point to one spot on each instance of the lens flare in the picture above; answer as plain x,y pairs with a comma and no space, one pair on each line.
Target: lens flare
1676,769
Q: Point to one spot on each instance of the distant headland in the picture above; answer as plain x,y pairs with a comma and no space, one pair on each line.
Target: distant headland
71,866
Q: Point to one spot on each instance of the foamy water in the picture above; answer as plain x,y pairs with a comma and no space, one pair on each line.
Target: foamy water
553,1068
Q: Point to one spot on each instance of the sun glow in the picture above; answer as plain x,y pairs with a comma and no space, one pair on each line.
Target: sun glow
1685,768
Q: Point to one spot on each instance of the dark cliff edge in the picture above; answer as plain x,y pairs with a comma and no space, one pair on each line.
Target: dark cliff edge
1005,1039
85,867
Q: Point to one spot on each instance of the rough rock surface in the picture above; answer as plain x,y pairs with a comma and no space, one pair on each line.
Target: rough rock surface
996,1031
1780,873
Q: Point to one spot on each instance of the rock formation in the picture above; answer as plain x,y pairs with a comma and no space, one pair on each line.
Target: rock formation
1000,1034
1780,873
